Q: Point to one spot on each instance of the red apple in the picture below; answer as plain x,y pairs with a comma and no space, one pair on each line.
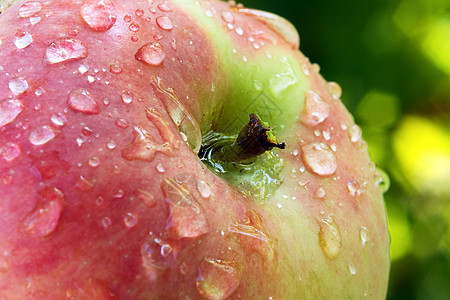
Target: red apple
103,106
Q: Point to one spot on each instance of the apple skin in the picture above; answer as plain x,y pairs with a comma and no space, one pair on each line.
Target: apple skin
102,198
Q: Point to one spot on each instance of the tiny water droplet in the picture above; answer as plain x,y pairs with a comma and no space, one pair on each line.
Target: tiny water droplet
99,15
10,151
39,91
22,40
203,188
115,68
148,19
352,268
139,12
320,159
18,86
208,13
316,110
127,97
326,135
134,38
9,110
134,27
227,16
156,253
41,135
58,120
127,18
320,193
83,69
29,9
111,145
160,168
122,123
217,279
164,7
334,89
81,100
353,188
381,179
94,161
44,218
84,185
364,235
106,222
99,201
146,197
329,237
239,30
355,133
130,220
164,22
316,68
152,54
35,20
65,49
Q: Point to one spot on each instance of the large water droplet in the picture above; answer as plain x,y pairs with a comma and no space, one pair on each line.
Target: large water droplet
81,100
29,9
22,40
329,237
65,49
18,86
44,218
187,219
164,22
319,158
280,25
364,235
152,54
185,122
156,253
9,110
316,110
217,279
99,15
41,135
10,151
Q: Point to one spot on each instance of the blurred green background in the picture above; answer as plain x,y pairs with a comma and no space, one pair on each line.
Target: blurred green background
392,59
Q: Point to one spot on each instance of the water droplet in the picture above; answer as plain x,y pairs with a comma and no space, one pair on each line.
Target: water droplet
320,193
326,135
280,82
203,188
146,197
94,161
29,9
180,115
148,19
227,16
187,219
130,220
364,235
127,97
18,86
156,253
111,145
164,7
35,20
316,68
158,37
329,237
10,151
355,133
134,38
278,24
83,184
99,15
115,68
119,194
9,110
316,110
83,69
152,54
134,27
334,89
352,268
39,91
353,188
81,100
58,120
44,218
122,123
217,279
127,18
106,222
41,135
164,22
160,168
320,159
22,40
381,178
239,30
139,12
65,49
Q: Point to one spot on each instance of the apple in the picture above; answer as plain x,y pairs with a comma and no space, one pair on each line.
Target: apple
178,150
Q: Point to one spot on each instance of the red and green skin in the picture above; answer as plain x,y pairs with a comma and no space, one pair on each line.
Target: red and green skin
82,259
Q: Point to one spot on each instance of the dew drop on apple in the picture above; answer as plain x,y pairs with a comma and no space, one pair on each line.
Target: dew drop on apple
320,193
58,120
22,40
139,12
44,218
29,9
99,15
10,151
134,27
127,97
122,123
334,89
164,23
146,197
217,278
352,268
355,133
94,161
164,7
315,111
9,110
203,188
82,101
156,253
364,235
152,54
353,188
18,86
319,158
329,237
130,220
83,184
382,180
34,20
106,222
115,68
65,49
83,69
111,145
41,135
227,16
